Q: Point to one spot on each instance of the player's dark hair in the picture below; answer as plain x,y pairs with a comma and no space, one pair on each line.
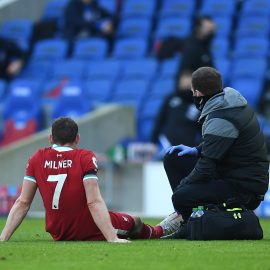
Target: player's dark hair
207,80
64,130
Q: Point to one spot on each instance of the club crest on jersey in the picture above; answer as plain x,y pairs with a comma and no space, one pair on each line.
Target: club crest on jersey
59,164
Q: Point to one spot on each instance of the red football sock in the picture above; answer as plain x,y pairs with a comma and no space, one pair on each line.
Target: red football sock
151,232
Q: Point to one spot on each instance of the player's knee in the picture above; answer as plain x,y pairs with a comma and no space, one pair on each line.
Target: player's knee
178,199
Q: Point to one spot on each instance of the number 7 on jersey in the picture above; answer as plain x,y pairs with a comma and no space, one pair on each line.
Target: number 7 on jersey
60,179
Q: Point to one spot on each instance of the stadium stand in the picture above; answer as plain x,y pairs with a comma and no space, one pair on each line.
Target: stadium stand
130,73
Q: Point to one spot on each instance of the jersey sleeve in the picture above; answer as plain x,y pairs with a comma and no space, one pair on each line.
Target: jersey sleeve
30,172
89,165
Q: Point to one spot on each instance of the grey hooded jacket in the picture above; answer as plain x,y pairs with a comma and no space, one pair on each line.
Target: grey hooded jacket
233,146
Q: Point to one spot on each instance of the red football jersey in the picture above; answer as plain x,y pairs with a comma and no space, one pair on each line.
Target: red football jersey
59,173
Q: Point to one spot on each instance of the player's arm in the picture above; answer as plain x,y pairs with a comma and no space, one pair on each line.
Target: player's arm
99,211
19,209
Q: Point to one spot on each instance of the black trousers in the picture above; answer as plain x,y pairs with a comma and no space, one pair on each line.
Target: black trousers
209,192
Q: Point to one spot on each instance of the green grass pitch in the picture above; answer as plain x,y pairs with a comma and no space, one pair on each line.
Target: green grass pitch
32,248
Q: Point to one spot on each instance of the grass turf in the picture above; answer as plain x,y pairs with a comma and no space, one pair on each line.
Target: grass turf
32,248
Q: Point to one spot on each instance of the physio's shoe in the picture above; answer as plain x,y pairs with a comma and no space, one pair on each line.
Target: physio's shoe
171,223
181,233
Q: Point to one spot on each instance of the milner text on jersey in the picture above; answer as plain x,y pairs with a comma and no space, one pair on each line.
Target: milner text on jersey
58,164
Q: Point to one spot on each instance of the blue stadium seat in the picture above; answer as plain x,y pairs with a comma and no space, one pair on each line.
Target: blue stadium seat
68,69
223,26
52,89
133,68
21,105
55,9
147,117
169,68
50,49
218,8
130,48
251,47
138,8
36,70
176,27
130,92
249,68
72,102
160,88
256,7
180,8
3,87
250,88
94,48
98,90
18,30
135,27
220,47
103,69
109,5
24,87
253,26
222,64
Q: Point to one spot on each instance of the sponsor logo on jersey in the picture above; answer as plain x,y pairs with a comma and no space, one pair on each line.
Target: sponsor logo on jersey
125,219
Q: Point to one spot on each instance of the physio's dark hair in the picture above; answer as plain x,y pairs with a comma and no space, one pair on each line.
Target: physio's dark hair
207,80
64,130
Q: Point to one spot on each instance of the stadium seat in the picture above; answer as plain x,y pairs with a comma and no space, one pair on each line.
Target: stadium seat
135,27
18,30
36,70
50,49
253,26
169,68
54,9
249,68
17,130
52,89
130,92
24,87
103,69
256,7
223,26
68,69
138,8
147,118
133,68
251,47
21,105
94,48
218,8
130,48
222,64
71,103
3,87
179,8
250,88
160,88
98,90
109,5
173,27
220,47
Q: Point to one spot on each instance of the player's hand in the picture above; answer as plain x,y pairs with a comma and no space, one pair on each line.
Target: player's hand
120,241
183,150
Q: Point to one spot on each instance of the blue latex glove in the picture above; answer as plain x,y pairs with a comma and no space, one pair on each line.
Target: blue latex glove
183,150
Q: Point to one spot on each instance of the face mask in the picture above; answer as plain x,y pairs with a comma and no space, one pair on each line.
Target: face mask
198,102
